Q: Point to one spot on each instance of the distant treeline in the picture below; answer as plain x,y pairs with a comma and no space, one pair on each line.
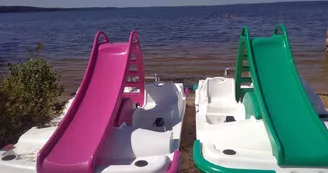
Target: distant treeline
19,9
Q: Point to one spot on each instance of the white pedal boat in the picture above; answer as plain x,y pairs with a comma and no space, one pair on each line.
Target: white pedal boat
118,126
228,139
275,125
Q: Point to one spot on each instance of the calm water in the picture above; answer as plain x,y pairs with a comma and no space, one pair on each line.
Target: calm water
179,43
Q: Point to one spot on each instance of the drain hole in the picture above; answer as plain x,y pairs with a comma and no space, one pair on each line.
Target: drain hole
230,119
229,152
141,163
9,157
159,122
323,115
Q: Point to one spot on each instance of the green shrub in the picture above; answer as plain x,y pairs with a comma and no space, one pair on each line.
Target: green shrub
28,96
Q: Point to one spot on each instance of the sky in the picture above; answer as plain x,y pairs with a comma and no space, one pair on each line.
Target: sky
126,3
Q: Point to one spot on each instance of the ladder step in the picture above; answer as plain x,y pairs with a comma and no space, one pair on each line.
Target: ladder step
246,79
247,89
132,94
133,62
132,84
245,68
133,73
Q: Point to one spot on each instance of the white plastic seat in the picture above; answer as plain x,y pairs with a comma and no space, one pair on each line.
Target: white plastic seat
220,89
219,94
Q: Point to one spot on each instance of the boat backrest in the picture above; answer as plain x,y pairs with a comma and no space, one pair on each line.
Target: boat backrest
220,88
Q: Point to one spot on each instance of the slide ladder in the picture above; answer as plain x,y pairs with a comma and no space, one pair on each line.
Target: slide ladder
135,73
297,135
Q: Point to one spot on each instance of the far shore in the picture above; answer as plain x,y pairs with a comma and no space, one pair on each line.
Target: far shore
24,9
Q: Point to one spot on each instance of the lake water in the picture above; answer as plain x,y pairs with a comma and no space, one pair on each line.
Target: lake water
179,43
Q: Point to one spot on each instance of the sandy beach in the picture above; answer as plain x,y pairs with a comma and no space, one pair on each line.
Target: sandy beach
189,134
187,137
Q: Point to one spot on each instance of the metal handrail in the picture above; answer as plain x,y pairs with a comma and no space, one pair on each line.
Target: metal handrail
155,77
227,69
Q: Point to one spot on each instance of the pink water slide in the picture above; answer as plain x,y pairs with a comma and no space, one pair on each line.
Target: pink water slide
76,145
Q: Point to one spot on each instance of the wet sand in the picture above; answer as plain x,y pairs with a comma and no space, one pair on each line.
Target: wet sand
189,135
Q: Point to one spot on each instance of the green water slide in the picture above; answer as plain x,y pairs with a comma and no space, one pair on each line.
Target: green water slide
297,135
